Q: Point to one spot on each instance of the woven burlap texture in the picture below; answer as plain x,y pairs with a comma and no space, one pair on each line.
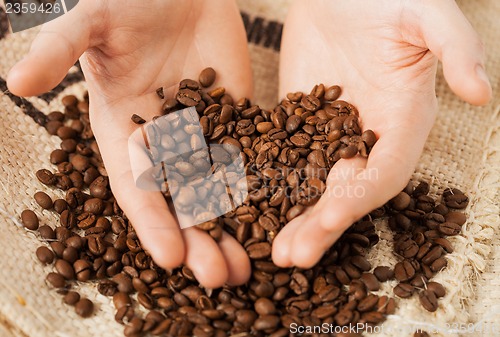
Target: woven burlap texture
462,151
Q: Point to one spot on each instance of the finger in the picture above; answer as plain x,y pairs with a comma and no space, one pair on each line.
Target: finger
237,261
283,242
148,211
204,258
54,51
460,50
356,187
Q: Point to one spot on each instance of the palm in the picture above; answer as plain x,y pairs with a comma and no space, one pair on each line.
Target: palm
132,51
376,52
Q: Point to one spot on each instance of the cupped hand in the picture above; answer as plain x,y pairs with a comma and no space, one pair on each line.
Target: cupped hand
384,55
128,49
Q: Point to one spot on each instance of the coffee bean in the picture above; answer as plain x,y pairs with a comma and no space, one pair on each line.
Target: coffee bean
383,273
348,152
56,280
445,244
71,298
332,93
29,219
46,232
45,255
138,119
207,77
84,307
404,290
456,217
370,281
432,255
421,334
428,300
299,283
188,97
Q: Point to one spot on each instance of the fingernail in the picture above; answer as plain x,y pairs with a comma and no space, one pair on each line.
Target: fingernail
481,73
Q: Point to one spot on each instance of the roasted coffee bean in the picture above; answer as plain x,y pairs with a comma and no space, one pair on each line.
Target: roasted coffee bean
436,288
266,322
421,333
432,255
43,200
29,219
207,77
58,156
332,93
348,152
445,244
428,300
438,264
456,217
45,255
370,281
368,303
449,228
56,280
121,300
188,97
83,270
84,307
70,254
137,119
46,177
259,250
400,201
60,205
71,298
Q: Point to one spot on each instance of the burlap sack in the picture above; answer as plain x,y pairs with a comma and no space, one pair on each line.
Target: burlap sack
462,151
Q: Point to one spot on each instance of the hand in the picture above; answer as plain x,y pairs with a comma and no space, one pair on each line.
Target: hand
127,50
384,56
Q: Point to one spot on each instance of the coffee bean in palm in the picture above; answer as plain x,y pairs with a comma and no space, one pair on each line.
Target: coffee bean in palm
58,156
46,232
404,290
207,77
421,333
29,219
43,200
84,307
348,152
137,119
188,97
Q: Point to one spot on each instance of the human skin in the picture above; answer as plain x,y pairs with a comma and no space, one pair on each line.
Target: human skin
384,55
128,49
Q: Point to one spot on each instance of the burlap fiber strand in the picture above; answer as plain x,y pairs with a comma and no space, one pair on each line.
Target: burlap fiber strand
462,151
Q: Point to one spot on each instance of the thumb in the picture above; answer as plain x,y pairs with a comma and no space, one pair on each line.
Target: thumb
454,41
54,51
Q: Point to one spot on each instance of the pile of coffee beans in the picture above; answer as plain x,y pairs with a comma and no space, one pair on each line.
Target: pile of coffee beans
287,154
